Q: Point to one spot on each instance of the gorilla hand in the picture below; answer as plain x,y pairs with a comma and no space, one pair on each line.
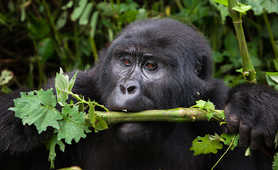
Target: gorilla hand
251,111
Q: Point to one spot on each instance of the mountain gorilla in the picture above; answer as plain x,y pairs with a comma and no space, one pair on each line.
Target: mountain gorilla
153,64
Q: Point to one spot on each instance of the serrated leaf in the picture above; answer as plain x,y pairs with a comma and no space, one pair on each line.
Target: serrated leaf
205,145
38,108
209,106
63,86
97,122
51,145
205,105
73,126
227,139
200,104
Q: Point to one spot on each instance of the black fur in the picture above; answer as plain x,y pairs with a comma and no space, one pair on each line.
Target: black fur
152,64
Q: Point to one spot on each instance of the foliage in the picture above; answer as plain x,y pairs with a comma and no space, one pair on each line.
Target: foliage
210,108
45,35
275,162
39,108
212,143
205,145
41,36
5,77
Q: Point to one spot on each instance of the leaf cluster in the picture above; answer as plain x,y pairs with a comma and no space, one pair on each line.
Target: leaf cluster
39,108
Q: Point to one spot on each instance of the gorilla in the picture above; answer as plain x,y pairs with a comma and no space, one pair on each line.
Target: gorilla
152,64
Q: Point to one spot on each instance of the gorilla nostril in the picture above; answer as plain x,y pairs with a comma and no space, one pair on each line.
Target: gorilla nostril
131,89
122,88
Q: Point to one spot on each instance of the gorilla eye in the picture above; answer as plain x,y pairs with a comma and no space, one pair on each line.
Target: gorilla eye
150,66
126,61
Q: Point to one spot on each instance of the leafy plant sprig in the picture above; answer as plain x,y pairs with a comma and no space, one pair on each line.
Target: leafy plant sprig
39,108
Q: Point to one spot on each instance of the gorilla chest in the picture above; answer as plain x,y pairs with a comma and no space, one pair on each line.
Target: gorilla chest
108,155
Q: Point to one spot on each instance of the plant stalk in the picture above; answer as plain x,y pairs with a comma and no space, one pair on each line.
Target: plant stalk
249,72
271,38
170,115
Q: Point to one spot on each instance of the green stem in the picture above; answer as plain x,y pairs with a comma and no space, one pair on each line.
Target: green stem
271,37
178,2
226,151
170,115
249,72
94,49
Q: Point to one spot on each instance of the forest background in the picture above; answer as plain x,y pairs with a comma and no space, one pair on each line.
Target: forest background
37,37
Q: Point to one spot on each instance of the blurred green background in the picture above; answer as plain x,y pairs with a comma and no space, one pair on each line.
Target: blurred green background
37,37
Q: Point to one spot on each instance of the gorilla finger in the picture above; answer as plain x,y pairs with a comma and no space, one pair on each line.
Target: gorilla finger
244,133
269,141
256,139
233,123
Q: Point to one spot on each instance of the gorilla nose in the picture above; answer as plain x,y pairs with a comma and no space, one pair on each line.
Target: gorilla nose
129,88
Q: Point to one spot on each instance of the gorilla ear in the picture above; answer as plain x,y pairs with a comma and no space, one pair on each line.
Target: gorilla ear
203,67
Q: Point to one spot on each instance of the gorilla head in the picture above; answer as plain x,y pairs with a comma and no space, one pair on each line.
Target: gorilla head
154,64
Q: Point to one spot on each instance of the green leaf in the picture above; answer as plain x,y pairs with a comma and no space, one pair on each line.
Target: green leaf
200,104
84,19
227,139
208,106
259,6
93,24
223,2
205,145
78,10
51,146
38,28
5,77
273,76
222,9
73,126
97,122
242,8
63,86
68,5
46,48
275,162
62,20
38,108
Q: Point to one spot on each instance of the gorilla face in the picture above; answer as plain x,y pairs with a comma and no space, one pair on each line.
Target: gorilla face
150,66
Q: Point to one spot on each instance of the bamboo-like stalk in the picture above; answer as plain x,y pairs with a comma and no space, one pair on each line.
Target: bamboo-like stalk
169,115
271,38
249,72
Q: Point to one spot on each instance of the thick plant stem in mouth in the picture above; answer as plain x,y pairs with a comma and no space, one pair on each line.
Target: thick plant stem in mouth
170,115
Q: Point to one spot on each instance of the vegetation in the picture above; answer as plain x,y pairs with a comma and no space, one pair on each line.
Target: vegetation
38,37
44,35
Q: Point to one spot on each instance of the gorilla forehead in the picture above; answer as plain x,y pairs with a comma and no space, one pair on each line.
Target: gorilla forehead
164,36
